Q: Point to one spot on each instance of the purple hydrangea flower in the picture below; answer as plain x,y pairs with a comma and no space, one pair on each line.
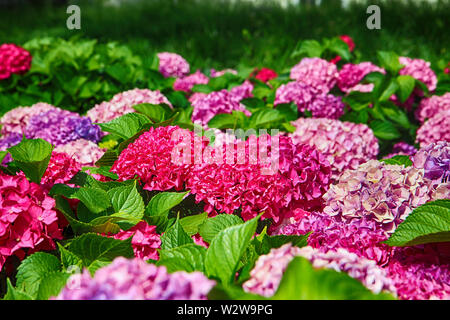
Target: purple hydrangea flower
9,141
435,160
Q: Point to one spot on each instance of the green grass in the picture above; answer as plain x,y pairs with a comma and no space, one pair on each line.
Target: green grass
218,34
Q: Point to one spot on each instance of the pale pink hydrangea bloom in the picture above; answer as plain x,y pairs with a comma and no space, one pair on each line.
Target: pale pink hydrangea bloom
420,70
83,151
344,144
351,74
172,65
316,72
215,73
196,96
430,106
188,82
435,129
122,103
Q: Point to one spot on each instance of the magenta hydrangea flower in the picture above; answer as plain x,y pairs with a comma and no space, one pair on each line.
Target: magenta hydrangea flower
268,271
135,279
28,219
434,129
13,59
420,70
61,168
381,192
298,92
172,65
157,157
242,91
316,72
344,144
122,103
402,149
252,185
215,103
188,82
83,151
327,106
431,106
434,159
351,74
16,120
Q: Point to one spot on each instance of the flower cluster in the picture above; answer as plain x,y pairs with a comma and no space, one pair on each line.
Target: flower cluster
420,70
172,65
61,168
402,148
13,59
435,129
242,91
253,185
434,159
7,142
188,82
122,103
268,271
431,106
318,73
344,144
351,74
214,73
382,192
83,151
136,280
28,220
265,74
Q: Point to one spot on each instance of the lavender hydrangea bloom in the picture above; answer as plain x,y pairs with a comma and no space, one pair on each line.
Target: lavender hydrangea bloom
85,129
7,142
136,279
435,160
402,149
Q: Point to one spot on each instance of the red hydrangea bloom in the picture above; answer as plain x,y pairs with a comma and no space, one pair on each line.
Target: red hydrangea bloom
187,83
435,129
430,106
420,70
145,241
172,65
13,59
153,158
351,74
28,220
266,74
249,183
61,168
316,72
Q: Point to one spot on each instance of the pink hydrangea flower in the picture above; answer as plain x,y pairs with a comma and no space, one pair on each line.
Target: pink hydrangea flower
152,157
122,103
316,72
420,70
327,106
214,73
136,280
434,159
351,75
196,96
215,103
268,271
402,149
145,241
435,129
61,168
298,92
13,59
344,144
172,65
242,91
28,220
381,192
83,151
187,83
431,106
16,120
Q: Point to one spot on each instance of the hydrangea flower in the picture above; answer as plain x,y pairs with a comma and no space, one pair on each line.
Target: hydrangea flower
434,159
327,106
172,65
430,106
214,73
135,279
145,241
16,120
28,220
420,70
250,184
153,158
351,75
122,103
187,83
242,91
83,151
268,271
61,168
435,129
316,72
344,144
13,59
265,74
382,192
7,142
214,103
402,149
298,92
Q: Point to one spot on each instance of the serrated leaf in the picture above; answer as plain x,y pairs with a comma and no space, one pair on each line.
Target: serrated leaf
52,284
191,257
175,237
95,199
223,121
14,294
389,61
125,126
161,203
68,258
192,223
384,130
310,48
213,226
406,86
426,224
127,203
398,160
155,112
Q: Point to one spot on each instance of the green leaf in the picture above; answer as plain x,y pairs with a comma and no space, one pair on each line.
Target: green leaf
188,257
125,126
32,157
223,121
398,160
384,130
310,48
339,47
155,112
253,104
226,250
3,155
108,158
33,270
68,258
389,91
389,61
95,199
14,294
161,203
426,224
127,203
175,237
52,284
203,88
213,226
192,223
406,84
302,282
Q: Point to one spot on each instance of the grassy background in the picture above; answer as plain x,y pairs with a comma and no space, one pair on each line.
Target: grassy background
220,34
